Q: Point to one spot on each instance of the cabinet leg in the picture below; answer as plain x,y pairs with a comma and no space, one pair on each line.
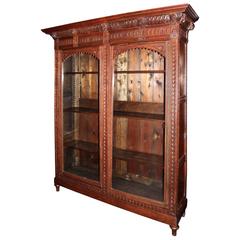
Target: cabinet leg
174,230
57,188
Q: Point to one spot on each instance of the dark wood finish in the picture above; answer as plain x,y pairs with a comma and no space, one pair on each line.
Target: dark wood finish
57,188
137,127
174,229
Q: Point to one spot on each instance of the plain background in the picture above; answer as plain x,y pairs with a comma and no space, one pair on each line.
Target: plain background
29,206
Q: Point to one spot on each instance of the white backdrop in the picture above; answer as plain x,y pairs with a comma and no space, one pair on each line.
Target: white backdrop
29,206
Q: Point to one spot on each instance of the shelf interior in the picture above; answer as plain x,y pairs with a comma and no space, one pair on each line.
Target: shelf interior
123,108
153,191
117,153
138,94
82,73
137,71
84,172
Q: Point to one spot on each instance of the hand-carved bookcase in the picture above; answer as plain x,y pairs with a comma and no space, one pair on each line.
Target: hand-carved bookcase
120,110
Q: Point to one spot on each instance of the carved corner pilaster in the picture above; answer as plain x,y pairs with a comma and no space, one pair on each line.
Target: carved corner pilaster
75,38
104,27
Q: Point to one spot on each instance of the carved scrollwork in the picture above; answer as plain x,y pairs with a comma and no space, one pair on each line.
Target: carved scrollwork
184,21
135,22
91,51
160,48
143,21
104,27
190,26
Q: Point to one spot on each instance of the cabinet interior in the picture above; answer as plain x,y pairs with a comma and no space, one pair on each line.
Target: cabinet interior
138,133
138,120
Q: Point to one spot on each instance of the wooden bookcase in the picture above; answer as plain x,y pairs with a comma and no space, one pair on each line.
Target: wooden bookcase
120,110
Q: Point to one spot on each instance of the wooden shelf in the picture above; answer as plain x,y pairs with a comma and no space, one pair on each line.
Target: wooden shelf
123,109
139,109
153,191
84,172
117,153
86,146
139,115
139,71
80,109
75,73
137,156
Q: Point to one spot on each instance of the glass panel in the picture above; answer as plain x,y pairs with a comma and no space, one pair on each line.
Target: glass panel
138,123
80,116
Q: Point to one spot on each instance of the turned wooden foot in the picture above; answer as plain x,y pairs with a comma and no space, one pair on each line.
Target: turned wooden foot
57,188
174,230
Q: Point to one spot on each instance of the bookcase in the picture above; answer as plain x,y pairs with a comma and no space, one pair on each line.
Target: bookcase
121,110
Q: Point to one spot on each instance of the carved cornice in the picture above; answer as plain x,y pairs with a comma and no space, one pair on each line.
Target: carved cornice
133,22
147,21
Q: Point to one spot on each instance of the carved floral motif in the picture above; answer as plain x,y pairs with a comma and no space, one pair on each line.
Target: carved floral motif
139,22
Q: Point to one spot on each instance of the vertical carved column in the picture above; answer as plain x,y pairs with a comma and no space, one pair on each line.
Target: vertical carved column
58,112
75,38
172,121
103,107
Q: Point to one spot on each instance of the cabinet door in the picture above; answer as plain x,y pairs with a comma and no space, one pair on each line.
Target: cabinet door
81,115
138,123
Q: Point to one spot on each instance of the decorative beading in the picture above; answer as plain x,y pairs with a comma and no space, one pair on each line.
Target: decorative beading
173,129
104,76
138,203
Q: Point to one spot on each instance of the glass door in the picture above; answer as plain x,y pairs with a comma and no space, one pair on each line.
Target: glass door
138,123
80,115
